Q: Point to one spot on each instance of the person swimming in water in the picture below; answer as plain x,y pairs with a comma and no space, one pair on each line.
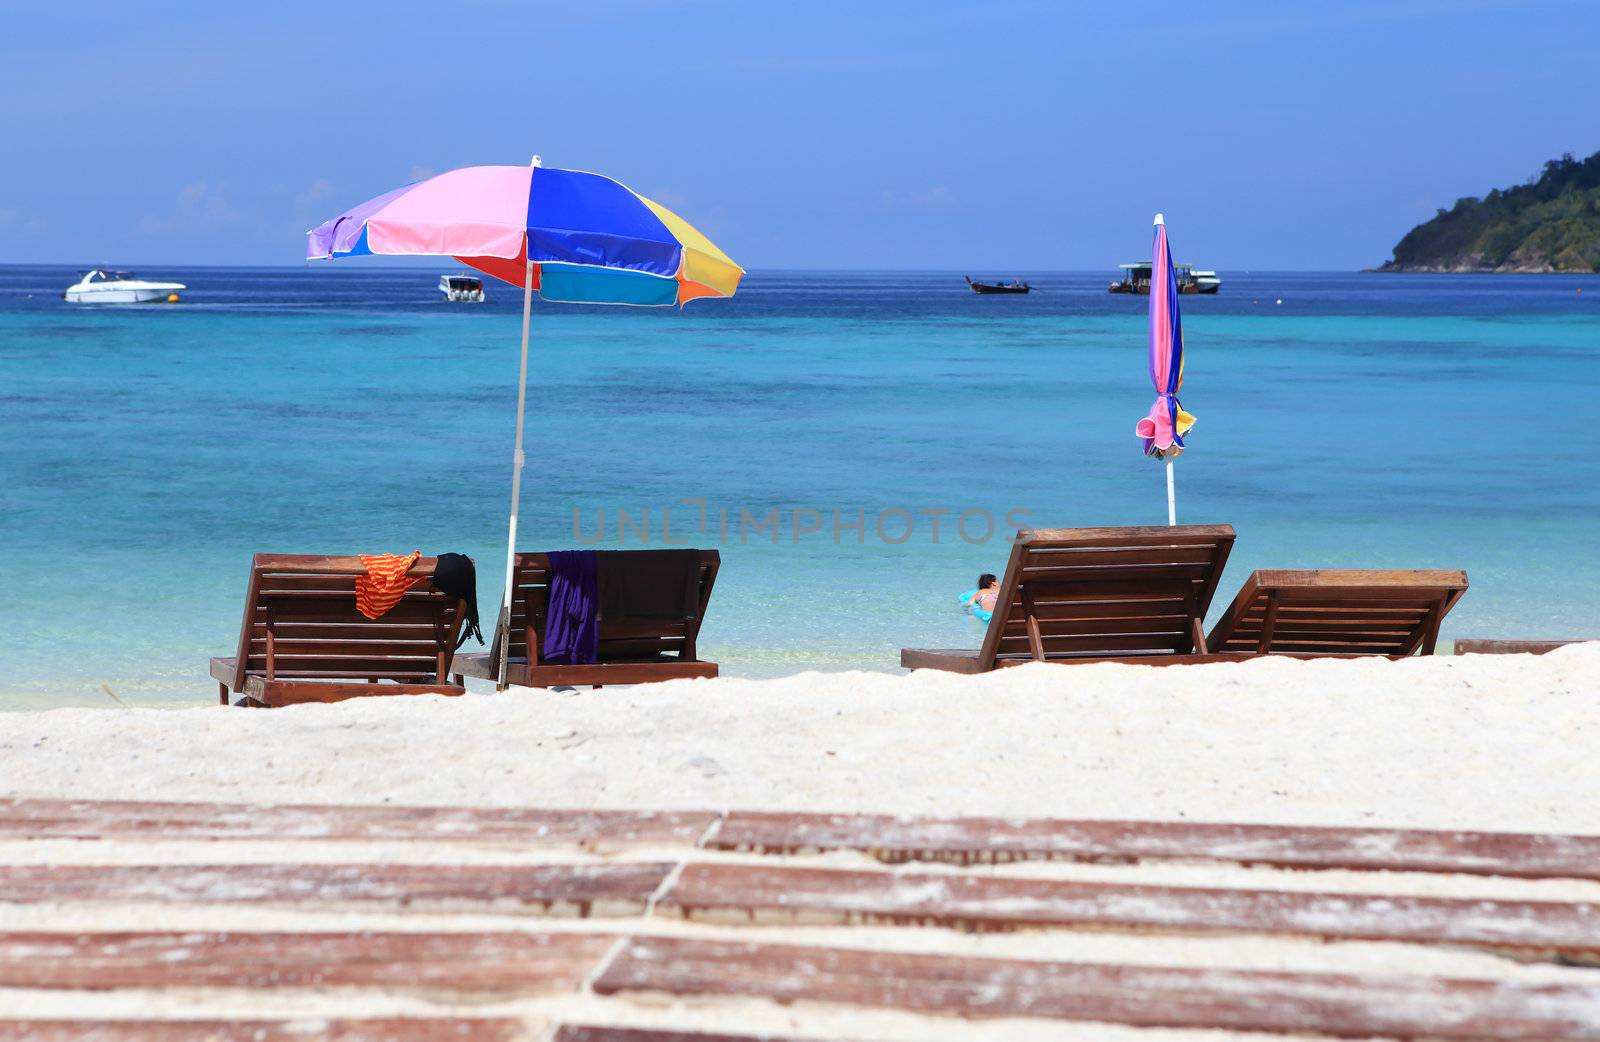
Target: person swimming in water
983,597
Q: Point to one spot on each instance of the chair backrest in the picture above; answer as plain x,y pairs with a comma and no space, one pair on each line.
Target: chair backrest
301,623
1106,592
619,639
1320,612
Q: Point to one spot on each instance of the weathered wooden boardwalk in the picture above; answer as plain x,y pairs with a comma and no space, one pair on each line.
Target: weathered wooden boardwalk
572,926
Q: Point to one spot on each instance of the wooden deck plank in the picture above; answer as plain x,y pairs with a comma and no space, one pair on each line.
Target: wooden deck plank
500,963
302,1029
114,819
583,890
744,892
1340,1005
592,1033
975,840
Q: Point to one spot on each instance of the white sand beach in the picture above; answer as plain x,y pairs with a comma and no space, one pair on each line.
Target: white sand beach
1482,741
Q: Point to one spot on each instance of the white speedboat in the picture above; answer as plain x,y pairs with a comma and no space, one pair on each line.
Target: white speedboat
1206,281
461,289
120,287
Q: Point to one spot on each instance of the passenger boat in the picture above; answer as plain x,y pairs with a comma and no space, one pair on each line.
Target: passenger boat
461,289
101,286
1014,286
1136,279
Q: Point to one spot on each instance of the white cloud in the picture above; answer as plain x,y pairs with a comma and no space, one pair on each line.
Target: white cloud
199,206
200,201
321,188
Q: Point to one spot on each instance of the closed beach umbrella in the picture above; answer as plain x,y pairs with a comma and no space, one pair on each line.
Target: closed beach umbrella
1163,429
568,235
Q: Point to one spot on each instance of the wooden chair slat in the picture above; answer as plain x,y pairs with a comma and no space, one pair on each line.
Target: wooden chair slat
1060,579
337,606
1047,556
1286,645
1363,579
599,674
1128,535
1288,627
420,630
1170,606
1158,624
387,667
1099,644
391,677
272,693
386,650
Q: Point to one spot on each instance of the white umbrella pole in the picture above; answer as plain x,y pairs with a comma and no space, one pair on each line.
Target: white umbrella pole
503,634
1172,500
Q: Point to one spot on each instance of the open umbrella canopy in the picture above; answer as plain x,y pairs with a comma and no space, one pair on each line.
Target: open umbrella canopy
592,240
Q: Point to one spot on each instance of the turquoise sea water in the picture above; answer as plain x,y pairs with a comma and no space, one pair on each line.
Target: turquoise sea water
1366,420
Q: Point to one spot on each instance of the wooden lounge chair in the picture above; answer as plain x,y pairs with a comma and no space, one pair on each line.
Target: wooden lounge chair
632,651
1098,595
304,641
1338,613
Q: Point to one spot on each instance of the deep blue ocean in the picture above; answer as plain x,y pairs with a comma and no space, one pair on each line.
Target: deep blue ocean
1345,420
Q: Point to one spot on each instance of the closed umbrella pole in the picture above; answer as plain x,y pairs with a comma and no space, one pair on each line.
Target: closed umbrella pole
1172,498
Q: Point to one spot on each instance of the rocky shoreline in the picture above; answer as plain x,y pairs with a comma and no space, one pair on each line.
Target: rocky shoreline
1390,267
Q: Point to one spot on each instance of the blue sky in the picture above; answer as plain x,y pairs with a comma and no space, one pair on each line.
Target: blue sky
991,136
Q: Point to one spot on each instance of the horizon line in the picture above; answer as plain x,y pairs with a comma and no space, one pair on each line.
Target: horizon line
413,264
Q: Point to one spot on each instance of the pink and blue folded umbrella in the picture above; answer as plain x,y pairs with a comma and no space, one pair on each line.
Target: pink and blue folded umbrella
592,240
1162,430
1164,427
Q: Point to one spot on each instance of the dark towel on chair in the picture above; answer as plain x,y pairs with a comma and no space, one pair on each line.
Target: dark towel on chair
454,576
572,622
649,584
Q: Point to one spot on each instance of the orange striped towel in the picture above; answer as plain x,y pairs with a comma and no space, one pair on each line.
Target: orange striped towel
385,583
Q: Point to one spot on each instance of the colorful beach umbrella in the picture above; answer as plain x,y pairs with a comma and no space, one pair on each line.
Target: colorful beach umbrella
1163,429
568,235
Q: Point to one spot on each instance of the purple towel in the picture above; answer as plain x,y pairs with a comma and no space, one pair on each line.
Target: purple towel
572,622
